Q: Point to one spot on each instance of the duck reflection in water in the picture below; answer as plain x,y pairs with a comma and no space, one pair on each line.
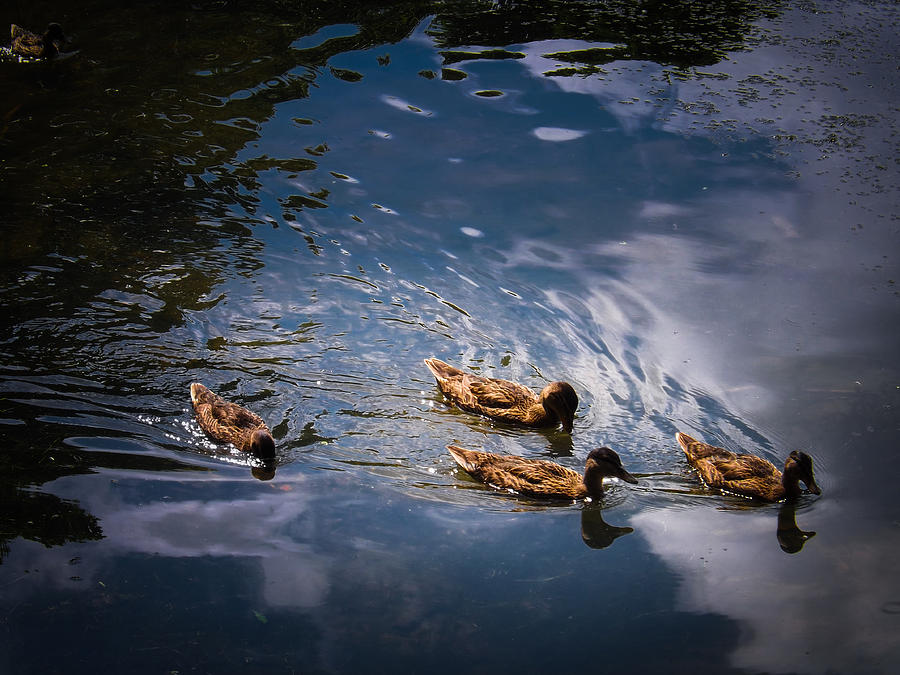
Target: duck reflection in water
790,537
230,423
596,532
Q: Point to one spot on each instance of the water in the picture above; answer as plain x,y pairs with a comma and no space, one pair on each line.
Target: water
691,218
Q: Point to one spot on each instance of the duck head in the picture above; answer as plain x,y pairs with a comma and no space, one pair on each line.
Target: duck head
798,467
604,462
560,399
53,40
54,33
262,444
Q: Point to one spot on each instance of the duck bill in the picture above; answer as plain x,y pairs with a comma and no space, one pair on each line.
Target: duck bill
627,477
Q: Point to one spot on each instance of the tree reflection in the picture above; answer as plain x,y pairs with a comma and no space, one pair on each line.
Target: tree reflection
207,84
44,518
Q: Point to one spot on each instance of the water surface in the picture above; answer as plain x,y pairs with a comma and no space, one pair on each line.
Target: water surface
689,215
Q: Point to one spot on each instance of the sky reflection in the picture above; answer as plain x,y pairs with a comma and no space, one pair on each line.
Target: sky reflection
711,250
822,610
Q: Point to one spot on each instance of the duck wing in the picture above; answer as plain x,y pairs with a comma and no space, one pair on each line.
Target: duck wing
744,467
537,472
528,476
231,414
501,394
19,33
534,477
229,422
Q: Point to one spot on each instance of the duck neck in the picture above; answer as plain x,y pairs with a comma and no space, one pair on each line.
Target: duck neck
790,482
593,482
538,414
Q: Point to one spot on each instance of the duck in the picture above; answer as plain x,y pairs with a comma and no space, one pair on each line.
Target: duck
28,44
230,423
749,475
540,477
507,401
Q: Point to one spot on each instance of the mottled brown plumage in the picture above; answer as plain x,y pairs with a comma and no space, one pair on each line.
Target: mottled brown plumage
230,423
540,478
28,44
749,475
507,401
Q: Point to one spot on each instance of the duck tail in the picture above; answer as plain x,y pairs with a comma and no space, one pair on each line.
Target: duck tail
686,443
441,370
698,450
461,457
199,393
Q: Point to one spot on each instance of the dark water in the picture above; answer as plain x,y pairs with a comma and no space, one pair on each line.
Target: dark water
689,213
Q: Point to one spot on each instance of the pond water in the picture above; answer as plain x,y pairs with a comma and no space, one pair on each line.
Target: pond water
689,213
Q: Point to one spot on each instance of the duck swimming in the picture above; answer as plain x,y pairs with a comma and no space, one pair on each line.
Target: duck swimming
749,475
33,46
507,401
230,423
540,478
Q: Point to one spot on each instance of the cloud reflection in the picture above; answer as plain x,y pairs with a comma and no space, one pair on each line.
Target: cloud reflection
557,134
812,613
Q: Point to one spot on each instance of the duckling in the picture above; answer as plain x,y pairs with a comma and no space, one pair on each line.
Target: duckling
231,423
507,401
749,475
26,43
540,478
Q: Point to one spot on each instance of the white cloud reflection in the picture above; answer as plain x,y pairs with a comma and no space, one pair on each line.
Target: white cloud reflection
557,134
822,610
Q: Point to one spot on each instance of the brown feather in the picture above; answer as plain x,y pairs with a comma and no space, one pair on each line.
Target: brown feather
226,421
746,474
504,400
28,44
538,477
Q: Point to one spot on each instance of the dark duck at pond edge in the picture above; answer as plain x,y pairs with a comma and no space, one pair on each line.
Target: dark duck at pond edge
749,475
540,478
31,45
230,423
507,401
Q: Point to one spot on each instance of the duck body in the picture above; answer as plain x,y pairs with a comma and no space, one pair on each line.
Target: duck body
539,477
30,45
504,400
748,475
230,423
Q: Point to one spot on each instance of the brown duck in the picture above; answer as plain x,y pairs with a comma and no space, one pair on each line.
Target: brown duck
230,423
507,401
540,478
28,44
749,475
